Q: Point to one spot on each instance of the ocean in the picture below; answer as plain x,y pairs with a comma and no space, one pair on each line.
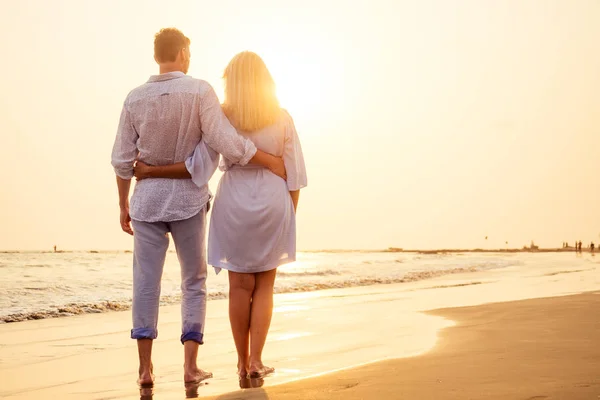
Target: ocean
37,285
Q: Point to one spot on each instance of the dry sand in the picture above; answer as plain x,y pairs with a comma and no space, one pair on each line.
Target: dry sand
528,350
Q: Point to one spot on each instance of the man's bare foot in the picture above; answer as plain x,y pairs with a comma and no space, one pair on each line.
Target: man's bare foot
258,370
146,378
196,375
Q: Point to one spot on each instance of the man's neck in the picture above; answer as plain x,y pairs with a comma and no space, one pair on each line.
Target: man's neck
166,68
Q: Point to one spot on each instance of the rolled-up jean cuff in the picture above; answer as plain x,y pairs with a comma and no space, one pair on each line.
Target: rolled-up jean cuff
144,333
195,336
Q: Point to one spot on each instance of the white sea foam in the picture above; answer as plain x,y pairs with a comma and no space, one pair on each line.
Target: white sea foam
47,285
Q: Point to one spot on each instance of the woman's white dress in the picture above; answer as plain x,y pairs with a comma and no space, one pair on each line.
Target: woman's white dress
253,223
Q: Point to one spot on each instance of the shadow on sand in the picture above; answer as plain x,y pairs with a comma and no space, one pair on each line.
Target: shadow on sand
254,385
252,391
147,393
255,391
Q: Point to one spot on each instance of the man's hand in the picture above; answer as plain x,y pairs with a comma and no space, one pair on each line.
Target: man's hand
141,170
278,167
123,187
273,163
126,221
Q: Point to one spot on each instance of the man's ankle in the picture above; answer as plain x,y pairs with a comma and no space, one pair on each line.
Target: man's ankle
190,366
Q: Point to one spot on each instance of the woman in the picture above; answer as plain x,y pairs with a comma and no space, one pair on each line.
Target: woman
253,223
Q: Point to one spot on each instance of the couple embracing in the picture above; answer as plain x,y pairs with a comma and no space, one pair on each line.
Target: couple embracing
171,132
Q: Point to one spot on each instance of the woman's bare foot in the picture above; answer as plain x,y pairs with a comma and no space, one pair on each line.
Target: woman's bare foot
196,375
242,370
258,370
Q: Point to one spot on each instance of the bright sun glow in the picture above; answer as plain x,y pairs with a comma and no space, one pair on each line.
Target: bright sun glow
297,84
301,77
293,88
300,88
307,76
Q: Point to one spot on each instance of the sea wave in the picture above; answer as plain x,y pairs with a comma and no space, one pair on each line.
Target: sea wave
291,274
285,287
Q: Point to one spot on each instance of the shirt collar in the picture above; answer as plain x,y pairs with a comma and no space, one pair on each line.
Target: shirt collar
167,76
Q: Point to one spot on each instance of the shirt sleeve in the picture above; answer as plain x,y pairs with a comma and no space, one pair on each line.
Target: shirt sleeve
125,148
219,134
202,164
293,157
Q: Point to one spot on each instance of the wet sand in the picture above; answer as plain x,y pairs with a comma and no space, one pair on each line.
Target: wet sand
315,333
528,350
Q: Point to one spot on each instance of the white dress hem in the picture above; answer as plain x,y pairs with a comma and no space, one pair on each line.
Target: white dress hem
218,266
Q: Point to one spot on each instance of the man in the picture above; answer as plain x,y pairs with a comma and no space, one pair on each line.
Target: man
162,121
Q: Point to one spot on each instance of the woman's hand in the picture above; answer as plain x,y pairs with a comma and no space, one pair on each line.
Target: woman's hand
141,170
172,171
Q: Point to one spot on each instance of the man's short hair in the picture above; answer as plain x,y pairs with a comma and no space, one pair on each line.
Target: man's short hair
168,43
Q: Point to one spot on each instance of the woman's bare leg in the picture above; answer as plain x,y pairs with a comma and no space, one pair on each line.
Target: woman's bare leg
260,319
241,287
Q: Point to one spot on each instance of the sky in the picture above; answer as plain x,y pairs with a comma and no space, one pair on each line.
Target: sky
424,124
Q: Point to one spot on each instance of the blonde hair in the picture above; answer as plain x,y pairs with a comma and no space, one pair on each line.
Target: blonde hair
250,99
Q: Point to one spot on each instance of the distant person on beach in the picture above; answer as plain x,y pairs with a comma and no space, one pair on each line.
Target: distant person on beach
253,222
162,122
55,248
592,247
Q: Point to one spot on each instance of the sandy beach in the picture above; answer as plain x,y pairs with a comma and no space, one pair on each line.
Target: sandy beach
371,342
533,349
